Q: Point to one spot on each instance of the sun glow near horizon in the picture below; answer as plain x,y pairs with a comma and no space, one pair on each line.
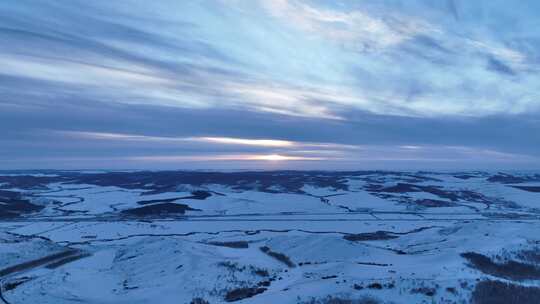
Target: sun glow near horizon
227,157
279,157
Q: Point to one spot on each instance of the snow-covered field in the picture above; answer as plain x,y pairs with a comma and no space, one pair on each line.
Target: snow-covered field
268,237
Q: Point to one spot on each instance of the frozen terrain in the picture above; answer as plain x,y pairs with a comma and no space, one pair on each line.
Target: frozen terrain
269,237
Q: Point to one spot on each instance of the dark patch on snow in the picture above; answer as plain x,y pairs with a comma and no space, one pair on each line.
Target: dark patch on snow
496,292
375,286
433,203
342,300
230,244
16,282
169,181
38,262
66,260
30,182
196,195
243,293
505,178
159,209
199,301
278,256
329,277
428,291
370,236
535,189
510,269
12,204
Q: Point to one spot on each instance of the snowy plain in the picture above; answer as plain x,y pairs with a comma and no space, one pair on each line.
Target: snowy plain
266,237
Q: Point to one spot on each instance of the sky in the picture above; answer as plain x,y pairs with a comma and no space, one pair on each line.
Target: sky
270,84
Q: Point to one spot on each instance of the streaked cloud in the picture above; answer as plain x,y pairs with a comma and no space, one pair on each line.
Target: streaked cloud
247,142
208,147
356,29
270,143
296,58
226,157
216,140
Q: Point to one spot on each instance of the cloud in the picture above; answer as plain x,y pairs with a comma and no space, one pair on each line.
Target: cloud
208,139
356,29
247,142
498,66
209,148
411,64
234,157
269,143
339,80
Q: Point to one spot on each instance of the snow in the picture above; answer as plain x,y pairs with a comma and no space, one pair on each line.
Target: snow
170,259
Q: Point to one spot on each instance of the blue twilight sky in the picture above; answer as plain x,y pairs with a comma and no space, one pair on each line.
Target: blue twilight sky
270,84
